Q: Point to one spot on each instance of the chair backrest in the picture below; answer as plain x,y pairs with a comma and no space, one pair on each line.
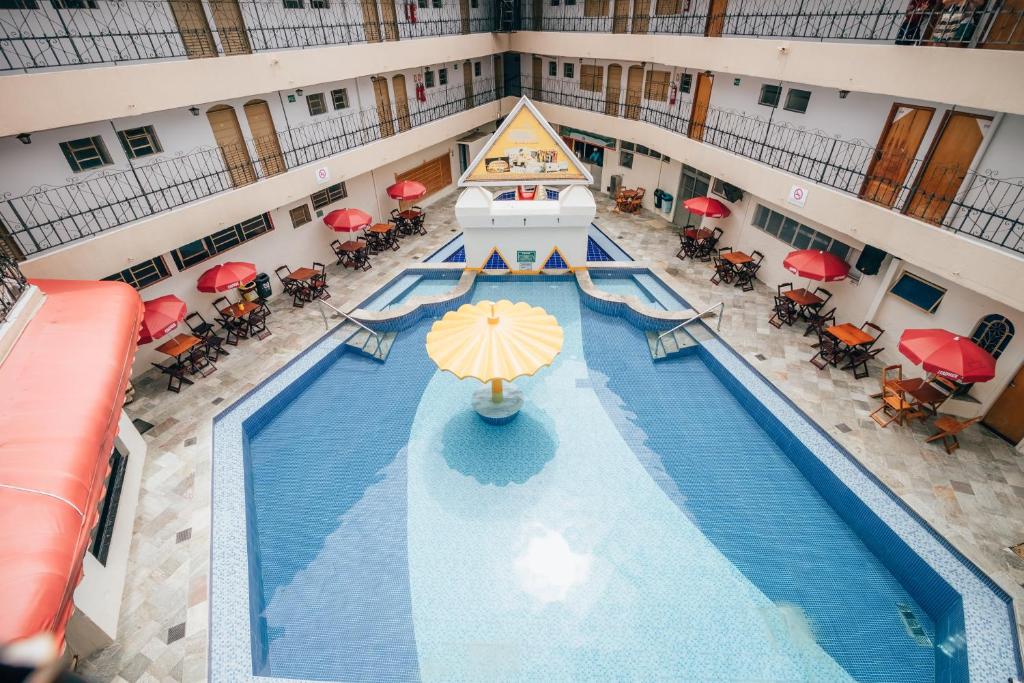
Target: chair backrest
282,272
944,385
395,213
336,246
640,192
717,233
758,257
724,250
321,267
822,294
827,316
194,320
785,287
221,303
891,373
873,329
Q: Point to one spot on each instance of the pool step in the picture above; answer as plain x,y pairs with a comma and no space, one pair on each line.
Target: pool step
671,345
373,346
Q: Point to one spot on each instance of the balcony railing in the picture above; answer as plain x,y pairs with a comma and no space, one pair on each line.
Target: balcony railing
969,201
12,285
36,35
47,217
991,24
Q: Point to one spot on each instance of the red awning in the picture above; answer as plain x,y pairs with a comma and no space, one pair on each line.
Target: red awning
61,392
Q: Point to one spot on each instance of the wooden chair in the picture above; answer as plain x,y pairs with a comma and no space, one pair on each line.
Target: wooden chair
747,273
944,387
822,294
287,283
858,358
830,352
784,312
874,330
318,283
204,330
724,271
175,372
895,407
784,287
819,322
342,255
622,199
234,328
636,201
949,427
687,245
417,223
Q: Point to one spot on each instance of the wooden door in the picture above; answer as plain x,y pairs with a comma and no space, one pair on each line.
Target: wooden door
228,135
1007,30
538,15
538,78
371,21
401,102
613,90
895,153
435,175
464,15
389,18
467,83
227,17
947,164
634,88
716,17
595,8
1006,416
380,92
264,137
701,102
641,16
620,16
194,28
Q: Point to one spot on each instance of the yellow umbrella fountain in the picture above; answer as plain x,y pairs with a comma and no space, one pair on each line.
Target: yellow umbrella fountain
495,342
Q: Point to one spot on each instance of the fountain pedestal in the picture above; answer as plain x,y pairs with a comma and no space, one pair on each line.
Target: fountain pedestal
501,411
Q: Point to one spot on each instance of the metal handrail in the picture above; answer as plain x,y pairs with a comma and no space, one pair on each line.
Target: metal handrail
376,335
718,327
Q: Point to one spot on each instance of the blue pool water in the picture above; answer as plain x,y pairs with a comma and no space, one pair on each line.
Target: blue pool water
633,523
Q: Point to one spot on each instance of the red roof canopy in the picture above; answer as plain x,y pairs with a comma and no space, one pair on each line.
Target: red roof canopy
61,392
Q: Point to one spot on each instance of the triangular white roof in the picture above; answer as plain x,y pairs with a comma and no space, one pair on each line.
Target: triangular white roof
525,150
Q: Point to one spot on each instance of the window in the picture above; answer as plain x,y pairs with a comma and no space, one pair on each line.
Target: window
320,4
796,100
442,76
993,333
139,142
685,83
770,95
474,4
428,79
423,4
104,529
143,274
554,3
19,4
192,253
340,98
625,158
666,7
316,103
328,195
437,4
293,4
591,77
85,153
569,3
918,291
300,215
477,69
796,234
657,86
569,70
73,4
552,69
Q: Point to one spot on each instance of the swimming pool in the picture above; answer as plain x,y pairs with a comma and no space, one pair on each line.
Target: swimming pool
639,519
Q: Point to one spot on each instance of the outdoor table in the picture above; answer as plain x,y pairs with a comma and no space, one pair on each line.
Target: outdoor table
922,392
410,214
240,310
179,345
352,250
803,298
697,234
382,228
737,258
302,274
850,335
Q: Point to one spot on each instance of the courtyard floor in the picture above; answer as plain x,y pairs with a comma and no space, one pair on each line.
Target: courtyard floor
975,497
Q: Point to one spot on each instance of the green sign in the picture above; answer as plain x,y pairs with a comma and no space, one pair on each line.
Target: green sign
526,256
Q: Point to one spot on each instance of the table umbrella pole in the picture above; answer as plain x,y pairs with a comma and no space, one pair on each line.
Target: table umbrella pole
497,394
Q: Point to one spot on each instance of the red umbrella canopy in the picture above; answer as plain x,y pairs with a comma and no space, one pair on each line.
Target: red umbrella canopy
816,265
407,189
347,220
160,316
227,276
707,206
948,355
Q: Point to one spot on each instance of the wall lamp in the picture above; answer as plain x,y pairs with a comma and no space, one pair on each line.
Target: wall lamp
843,94
194,110
25,138
298,91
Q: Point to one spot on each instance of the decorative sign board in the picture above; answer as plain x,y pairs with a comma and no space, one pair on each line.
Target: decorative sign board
526,259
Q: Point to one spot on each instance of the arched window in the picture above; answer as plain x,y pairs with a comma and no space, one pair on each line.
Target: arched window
993,333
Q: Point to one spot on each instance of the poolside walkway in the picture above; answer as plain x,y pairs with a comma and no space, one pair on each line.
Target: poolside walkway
974,497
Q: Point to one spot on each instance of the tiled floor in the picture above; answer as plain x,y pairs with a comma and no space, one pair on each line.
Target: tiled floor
974,497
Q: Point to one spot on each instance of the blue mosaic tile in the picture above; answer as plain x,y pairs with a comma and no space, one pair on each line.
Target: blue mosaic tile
595,252
457,256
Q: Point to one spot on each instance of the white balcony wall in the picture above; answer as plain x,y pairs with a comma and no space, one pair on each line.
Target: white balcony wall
647,172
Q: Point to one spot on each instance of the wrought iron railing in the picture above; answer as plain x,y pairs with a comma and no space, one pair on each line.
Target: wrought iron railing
977,203
47,217
35,35
981,23
12,285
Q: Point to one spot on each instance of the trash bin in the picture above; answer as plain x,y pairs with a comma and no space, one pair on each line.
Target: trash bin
657,198
262,282
666,203
248,291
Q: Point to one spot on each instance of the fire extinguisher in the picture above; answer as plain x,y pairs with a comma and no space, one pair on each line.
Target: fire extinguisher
672,92
410,12
421,92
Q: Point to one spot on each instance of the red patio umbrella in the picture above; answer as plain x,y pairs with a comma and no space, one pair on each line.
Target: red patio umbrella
226,276
948,355
707,206
160,316
816,265
404,190
347,220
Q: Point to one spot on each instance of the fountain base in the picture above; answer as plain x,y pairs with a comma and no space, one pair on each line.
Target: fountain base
498,412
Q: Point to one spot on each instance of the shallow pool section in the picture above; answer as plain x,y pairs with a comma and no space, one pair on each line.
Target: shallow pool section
411,284
641,284
639,520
